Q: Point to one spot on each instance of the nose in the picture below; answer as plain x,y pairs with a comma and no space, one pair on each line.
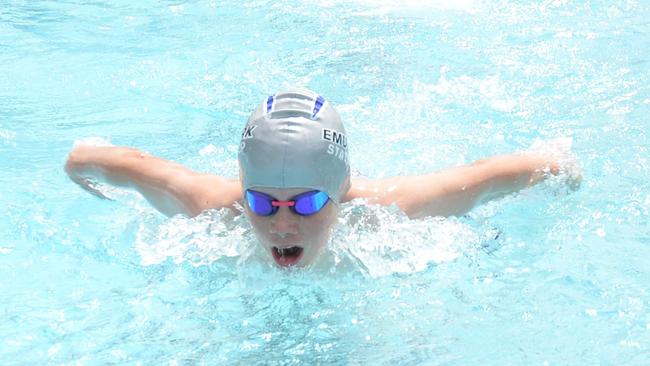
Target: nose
284,222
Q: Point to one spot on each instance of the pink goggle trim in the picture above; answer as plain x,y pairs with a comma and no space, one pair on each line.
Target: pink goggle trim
283,203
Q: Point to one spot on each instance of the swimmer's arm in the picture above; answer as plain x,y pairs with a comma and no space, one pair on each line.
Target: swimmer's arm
169,187
455,191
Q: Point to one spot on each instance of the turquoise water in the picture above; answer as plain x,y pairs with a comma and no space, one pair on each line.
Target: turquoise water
545,277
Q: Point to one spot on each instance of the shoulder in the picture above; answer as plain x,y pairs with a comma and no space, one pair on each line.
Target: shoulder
375,190
206,191
401,191
359,188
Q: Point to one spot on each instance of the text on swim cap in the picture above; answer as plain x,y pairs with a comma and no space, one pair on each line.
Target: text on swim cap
335,137
340,153
248,132
338,144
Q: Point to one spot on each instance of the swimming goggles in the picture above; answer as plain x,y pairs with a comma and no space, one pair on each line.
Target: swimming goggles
304,204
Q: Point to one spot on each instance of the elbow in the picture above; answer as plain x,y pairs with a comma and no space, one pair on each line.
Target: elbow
411,210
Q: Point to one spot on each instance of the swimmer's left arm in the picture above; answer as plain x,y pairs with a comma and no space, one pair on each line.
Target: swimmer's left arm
455,191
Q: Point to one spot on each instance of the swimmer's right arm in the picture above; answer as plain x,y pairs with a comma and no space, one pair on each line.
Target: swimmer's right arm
169,187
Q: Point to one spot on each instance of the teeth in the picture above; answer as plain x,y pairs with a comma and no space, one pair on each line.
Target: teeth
288,251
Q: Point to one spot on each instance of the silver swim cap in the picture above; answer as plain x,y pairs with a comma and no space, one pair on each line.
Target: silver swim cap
295,139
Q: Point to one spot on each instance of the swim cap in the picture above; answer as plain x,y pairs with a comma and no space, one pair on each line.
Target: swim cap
295,139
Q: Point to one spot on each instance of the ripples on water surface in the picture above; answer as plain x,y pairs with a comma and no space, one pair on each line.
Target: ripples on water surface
544,277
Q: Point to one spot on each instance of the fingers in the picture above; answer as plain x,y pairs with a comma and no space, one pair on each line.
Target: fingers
86,184
91,187
573,174
559,150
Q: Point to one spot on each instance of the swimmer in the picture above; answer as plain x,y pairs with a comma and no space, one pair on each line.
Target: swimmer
295,174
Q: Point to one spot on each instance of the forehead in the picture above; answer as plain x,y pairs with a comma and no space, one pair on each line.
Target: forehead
282,193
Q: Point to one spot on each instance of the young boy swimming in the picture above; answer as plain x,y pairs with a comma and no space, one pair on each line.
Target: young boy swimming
295,174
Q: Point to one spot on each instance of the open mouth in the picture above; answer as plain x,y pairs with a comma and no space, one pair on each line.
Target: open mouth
287,256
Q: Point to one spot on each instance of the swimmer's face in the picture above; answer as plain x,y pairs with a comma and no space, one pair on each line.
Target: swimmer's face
291,239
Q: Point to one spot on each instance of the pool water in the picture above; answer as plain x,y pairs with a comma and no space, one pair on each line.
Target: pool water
543,277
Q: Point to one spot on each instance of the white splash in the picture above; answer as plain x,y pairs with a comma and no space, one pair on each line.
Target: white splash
372,240
491,90
92,141
7,135
383,241
199,241
560,149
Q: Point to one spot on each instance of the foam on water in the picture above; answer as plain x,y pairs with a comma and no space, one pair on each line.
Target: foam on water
369,240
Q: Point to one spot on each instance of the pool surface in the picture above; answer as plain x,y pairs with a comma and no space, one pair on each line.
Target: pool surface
543,277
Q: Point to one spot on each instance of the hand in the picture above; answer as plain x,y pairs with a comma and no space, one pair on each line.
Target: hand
563,161
74,167
89,185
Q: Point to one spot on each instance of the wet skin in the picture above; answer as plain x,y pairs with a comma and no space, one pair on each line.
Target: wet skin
291,239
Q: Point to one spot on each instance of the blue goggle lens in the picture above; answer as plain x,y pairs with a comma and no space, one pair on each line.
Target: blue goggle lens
260,203
309,203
